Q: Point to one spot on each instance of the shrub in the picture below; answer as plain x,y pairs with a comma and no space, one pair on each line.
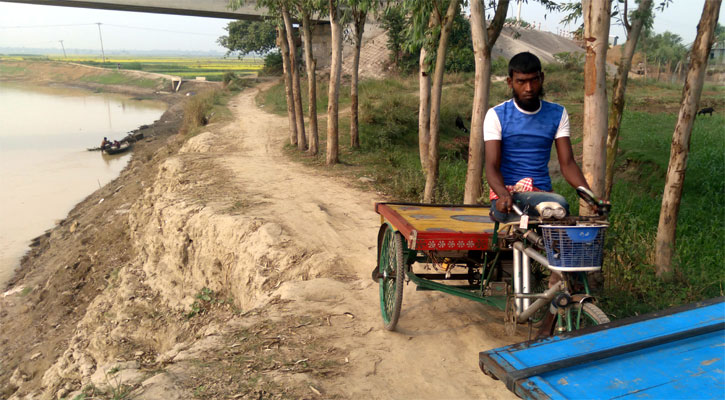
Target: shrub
571,61
273,63
197,108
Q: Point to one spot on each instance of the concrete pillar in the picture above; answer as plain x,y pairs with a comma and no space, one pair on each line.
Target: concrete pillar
321,48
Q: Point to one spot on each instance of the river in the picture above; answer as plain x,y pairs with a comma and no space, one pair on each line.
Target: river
45,168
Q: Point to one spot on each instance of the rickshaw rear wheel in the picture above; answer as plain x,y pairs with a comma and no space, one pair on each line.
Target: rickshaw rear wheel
391,277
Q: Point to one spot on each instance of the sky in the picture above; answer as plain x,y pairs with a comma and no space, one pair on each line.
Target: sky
38,26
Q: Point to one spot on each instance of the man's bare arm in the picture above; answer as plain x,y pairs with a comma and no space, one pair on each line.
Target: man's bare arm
569,168
494,177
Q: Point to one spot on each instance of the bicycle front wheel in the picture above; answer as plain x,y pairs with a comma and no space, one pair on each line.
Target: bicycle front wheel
581,315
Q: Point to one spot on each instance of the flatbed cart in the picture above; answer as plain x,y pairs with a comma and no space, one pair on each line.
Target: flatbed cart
459,250
677,353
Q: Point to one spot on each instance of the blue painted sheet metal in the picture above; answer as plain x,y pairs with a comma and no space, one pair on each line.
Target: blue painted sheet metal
688,368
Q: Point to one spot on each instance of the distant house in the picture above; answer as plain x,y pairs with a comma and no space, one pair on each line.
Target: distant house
717,54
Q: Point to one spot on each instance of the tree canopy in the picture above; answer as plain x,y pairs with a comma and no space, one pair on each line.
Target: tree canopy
246,37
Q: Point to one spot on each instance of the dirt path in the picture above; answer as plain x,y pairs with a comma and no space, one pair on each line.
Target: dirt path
434,353
216,268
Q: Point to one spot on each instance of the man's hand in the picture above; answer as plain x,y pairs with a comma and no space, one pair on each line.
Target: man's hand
504,204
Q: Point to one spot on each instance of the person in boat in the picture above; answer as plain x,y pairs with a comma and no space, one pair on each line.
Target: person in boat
104,143
116,144
518,135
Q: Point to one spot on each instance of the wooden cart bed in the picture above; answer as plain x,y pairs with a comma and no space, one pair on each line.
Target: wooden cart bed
440,227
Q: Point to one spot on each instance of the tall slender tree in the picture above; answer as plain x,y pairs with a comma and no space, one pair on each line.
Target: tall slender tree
446,22
274,12
307,9
639,18
679,151
287,71
358,11
295,73
334,87
423,108
596,36
484,39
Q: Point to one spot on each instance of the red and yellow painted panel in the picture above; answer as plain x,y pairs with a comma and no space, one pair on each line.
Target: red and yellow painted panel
436,227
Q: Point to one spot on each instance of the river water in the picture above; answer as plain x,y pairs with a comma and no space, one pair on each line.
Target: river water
45,168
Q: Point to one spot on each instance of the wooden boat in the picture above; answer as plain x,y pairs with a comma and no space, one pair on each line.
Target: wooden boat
118,150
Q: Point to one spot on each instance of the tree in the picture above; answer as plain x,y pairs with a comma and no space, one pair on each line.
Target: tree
306,9
287,70
666,230
393,21
247,37
483,41
358,10
333,95
616,107
444,27
596,36
295,73
275,15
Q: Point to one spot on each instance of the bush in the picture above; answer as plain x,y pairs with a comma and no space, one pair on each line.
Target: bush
500,67
571,61
197,109
273,63
228,77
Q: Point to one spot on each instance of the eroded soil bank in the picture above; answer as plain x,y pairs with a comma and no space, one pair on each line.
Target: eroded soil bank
215,268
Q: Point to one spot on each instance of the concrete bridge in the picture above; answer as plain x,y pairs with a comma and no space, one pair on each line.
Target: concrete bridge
198,8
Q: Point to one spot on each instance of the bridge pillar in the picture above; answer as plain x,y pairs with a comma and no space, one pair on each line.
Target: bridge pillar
321,49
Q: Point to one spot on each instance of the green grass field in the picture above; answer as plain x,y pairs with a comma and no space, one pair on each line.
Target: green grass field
389,154
212,69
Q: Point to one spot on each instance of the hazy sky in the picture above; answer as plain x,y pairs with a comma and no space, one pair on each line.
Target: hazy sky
36,26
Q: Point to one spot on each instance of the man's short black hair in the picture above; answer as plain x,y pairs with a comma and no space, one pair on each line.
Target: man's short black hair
524,63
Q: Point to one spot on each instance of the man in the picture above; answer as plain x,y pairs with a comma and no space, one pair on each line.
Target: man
518,136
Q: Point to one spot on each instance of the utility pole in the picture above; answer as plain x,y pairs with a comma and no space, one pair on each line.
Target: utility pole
101,36
61,45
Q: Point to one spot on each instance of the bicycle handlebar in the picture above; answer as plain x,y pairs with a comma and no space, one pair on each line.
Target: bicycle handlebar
602,207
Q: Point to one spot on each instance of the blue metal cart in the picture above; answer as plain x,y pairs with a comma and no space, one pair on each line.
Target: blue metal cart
677,353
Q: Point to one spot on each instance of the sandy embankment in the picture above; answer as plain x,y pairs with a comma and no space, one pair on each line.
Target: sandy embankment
118,297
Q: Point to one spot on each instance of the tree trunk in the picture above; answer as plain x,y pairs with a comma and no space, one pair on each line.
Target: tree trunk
596,37
676,76
482,45
620,87
665,243
659,62
296,92
359,21
423,110
284,49
431,179
311,65
334,90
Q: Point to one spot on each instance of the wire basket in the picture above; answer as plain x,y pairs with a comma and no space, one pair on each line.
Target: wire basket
574,246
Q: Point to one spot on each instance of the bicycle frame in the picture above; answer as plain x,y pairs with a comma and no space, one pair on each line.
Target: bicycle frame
522,256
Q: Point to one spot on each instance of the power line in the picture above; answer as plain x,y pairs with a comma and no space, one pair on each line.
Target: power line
161,30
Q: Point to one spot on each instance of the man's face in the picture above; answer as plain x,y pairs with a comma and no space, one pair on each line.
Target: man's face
527,88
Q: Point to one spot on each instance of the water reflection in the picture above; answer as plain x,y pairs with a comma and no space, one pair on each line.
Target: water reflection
44,166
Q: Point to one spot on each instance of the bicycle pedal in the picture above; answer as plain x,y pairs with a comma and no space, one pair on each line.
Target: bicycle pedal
496,289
